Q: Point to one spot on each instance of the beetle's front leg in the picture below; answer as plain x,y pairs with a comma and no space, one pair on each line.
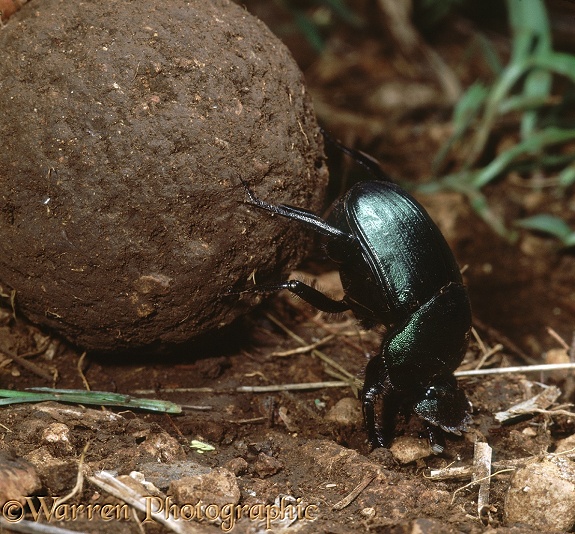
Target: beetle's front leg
375,385
436,438
309,294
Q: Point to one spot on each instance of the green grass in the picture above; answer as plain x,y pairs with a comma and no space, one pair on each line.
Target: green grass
319,18
521,93
522,90
79,396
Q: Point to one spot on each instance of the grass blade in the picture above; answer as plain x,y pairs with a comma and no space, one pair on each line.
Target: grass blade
80,396
549,224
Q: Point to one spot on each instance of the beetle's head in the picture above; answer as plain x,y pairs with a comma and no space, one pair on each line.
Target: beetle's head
444,405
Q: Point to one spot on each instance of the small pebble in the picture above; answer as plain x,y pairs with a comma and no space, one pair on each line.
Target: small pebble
57,437
406,449
346,412
238,466
266,466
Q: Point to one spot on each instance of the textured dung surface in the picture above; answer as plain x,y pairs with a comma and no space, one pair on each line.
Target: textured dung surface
125,127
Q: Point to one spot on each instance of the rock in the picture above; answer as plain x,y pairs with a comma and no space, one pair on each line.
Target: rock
541,495
330,456
18,479
346,412
58,474
161,446
406,449
218,487
238,466
266,465
161,475
565,444
393,497
9,7
57,437
125,128
557,356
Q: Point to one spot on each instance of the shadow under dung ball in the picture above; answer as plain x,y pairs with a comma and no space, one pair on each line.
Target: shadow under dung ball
125,127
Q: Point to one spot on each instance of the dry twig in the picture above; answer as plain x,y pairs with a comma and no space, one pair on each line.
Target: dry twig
303,350
351,379
516,369
79,479
536,404
22,361
482,472
118,489
291,387
80,366
349,498
33,527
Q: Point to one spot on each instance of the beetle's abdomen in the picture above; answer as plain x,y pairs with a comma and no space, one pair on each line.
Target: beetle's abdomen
432,342
404,248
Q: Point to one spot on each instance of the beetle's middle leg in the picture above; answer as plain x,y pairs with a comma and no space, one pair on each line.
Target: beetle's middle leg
309,294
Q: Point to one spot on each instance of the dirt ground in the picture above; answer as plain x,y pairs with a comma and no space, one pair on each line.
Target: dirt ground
308,448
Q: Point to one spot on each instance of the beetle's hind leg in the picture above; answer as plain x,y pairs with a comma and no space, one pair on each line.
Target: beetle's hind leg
368,162
299,214
309,294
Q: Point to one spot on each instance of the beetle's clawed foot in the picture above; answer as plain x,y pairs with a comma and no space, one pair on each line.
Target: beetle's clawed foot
231,293
436,439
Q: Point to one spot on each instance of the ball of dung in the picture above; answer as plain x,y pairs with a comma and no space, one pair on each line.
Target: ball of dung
125,129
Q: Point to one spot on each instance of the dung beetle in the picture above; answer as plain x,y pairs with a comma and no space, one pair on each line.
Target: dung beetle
396,270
